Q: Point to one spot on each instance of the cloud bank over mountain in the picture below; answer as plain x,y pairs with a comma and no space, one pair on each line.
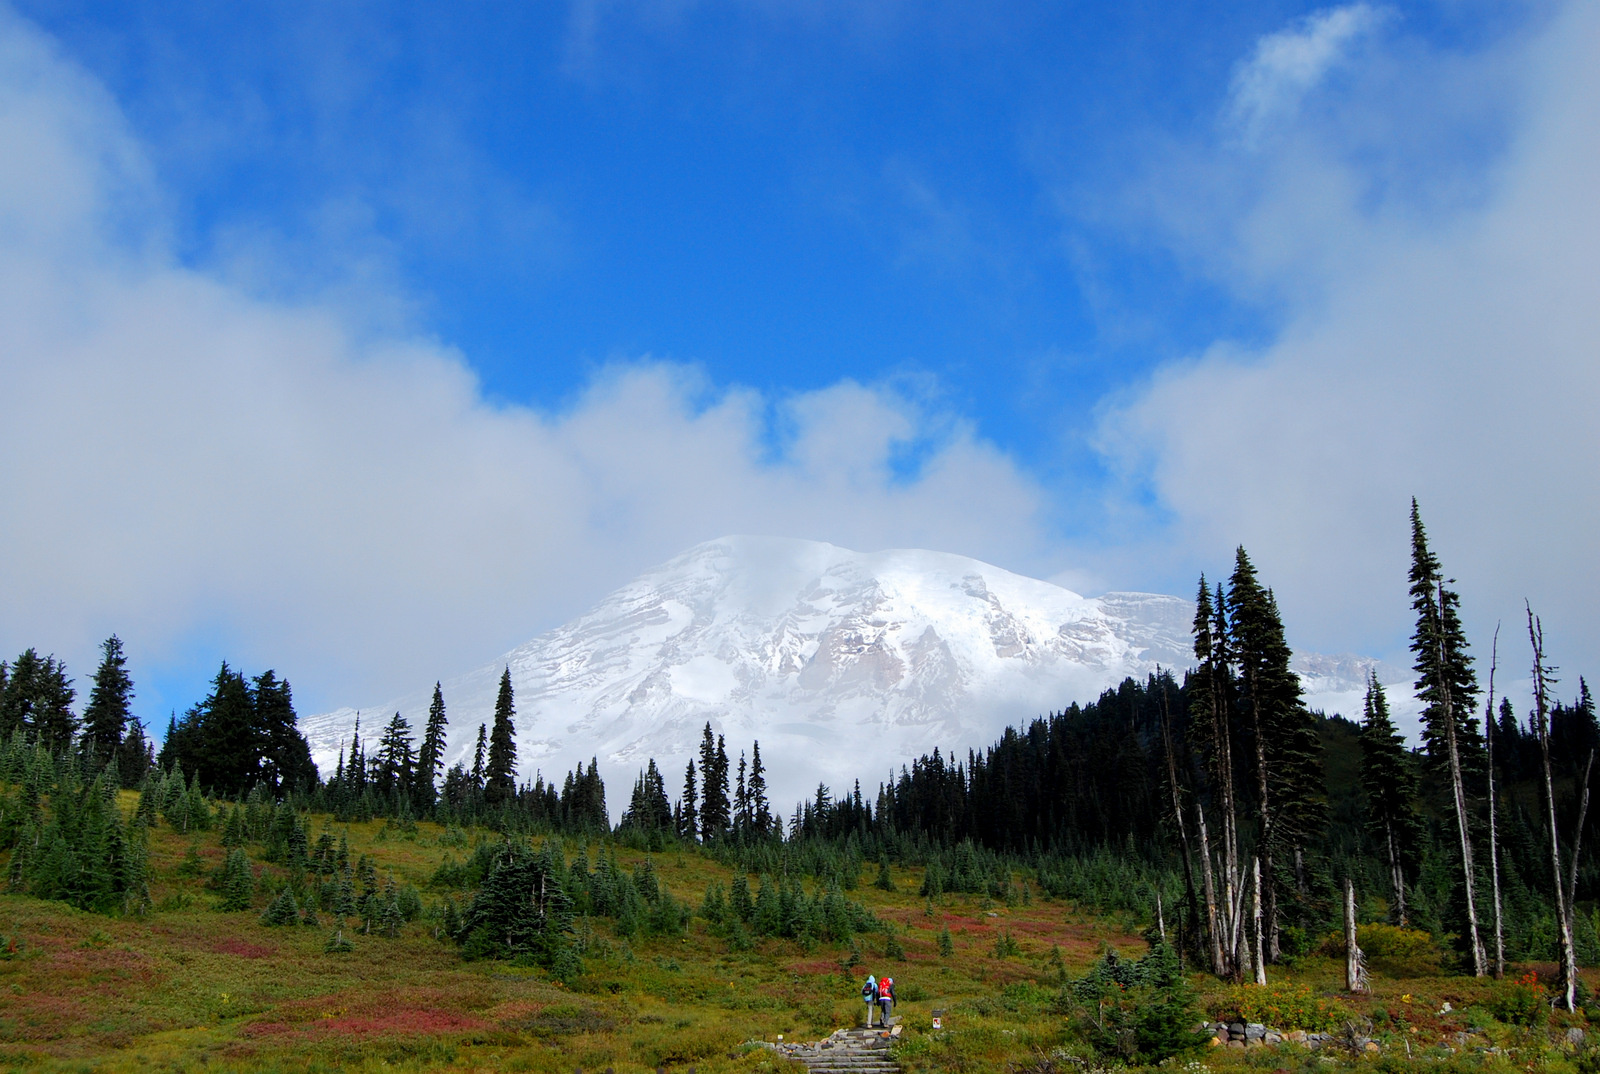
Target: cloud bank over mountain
194,465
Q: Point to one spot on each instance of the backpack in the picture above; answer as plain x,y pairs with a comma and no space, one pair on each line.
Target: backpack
886,988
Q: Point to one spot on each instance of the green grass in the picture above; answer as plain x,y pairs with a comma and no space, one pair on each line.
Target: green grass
191,988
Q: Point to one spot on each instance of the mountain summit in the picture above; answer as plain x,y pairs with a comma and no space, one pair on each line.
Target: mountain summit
843,664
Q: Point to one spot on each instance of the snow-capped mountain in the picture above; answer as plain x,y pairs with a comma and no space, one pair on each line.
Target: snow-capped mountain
843,665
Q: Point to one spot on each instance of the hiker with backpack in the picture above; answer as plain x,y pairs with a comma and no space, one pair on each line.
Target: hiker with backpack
886,999
869,993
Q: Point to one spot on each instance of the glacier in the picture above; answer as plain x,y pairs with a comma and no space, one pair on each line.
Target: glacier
844,665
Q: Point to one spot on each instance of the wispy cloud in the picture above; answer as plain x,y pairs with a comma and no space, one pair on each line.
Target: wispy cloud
1288,64
1442,353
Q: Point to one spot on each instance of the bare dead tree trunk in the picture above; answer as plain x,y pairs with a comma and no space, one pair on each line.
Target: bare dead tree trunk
1213,926
1494,835
1232,870
1161,918
1355,972
1260,960
1397,875
1177,804
1541,727
1264,847
1463,829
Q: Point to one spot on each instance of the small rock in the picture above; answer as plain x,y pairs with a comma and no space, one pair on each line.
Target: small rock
1273,1037
1255,1031
1236,1044
1297,1035
1236,1029
1575,1037
1370,1046
1216,1042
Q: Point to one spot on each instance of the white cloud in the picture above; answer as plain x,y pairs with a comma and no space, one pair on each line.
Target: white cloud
1288,64
1442,348
186,459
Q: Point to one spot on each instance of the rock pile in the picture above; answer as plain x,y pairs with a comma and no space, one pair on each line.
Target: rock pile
1256,1035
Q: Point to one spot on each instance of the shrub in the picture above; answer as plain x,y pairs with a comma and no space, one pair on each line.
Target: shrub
1280,1006
1521,1002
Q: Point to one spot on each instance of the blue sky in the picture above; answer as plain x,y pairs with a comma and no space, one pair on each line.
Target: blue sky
785,195
1094,291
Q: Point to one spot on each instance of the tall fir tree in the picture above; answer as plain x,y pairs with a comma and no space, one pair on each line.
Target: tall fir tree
135,756
1447,688
38,698
499,775
1390,787
106,716
761,810
225,745
741,801
1446,682
396,760
688,809
479,757
714,806
1287,754
286,762
431,756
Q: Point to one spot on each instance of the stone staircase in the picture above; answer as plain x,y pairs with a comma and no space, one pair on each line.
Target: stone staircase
847,1051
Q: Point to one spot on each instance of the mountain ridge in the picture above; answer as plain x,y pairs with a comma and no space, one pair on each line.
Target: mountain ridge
843,664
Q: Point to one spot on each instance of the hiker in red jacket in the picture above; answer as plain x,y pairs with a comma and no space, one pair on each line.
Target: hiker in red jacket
885,998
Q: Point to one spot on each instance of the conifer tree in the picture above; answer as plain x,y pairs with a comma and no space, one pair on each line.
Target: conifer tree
285,754
648,809
689,813
761,811
134,757
1211,706
283,910
396,763
236,882
714,807
499,776
478,757
107,713
1391,793
218,739
1447,687
741,801
431,756
1287,752
38,698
